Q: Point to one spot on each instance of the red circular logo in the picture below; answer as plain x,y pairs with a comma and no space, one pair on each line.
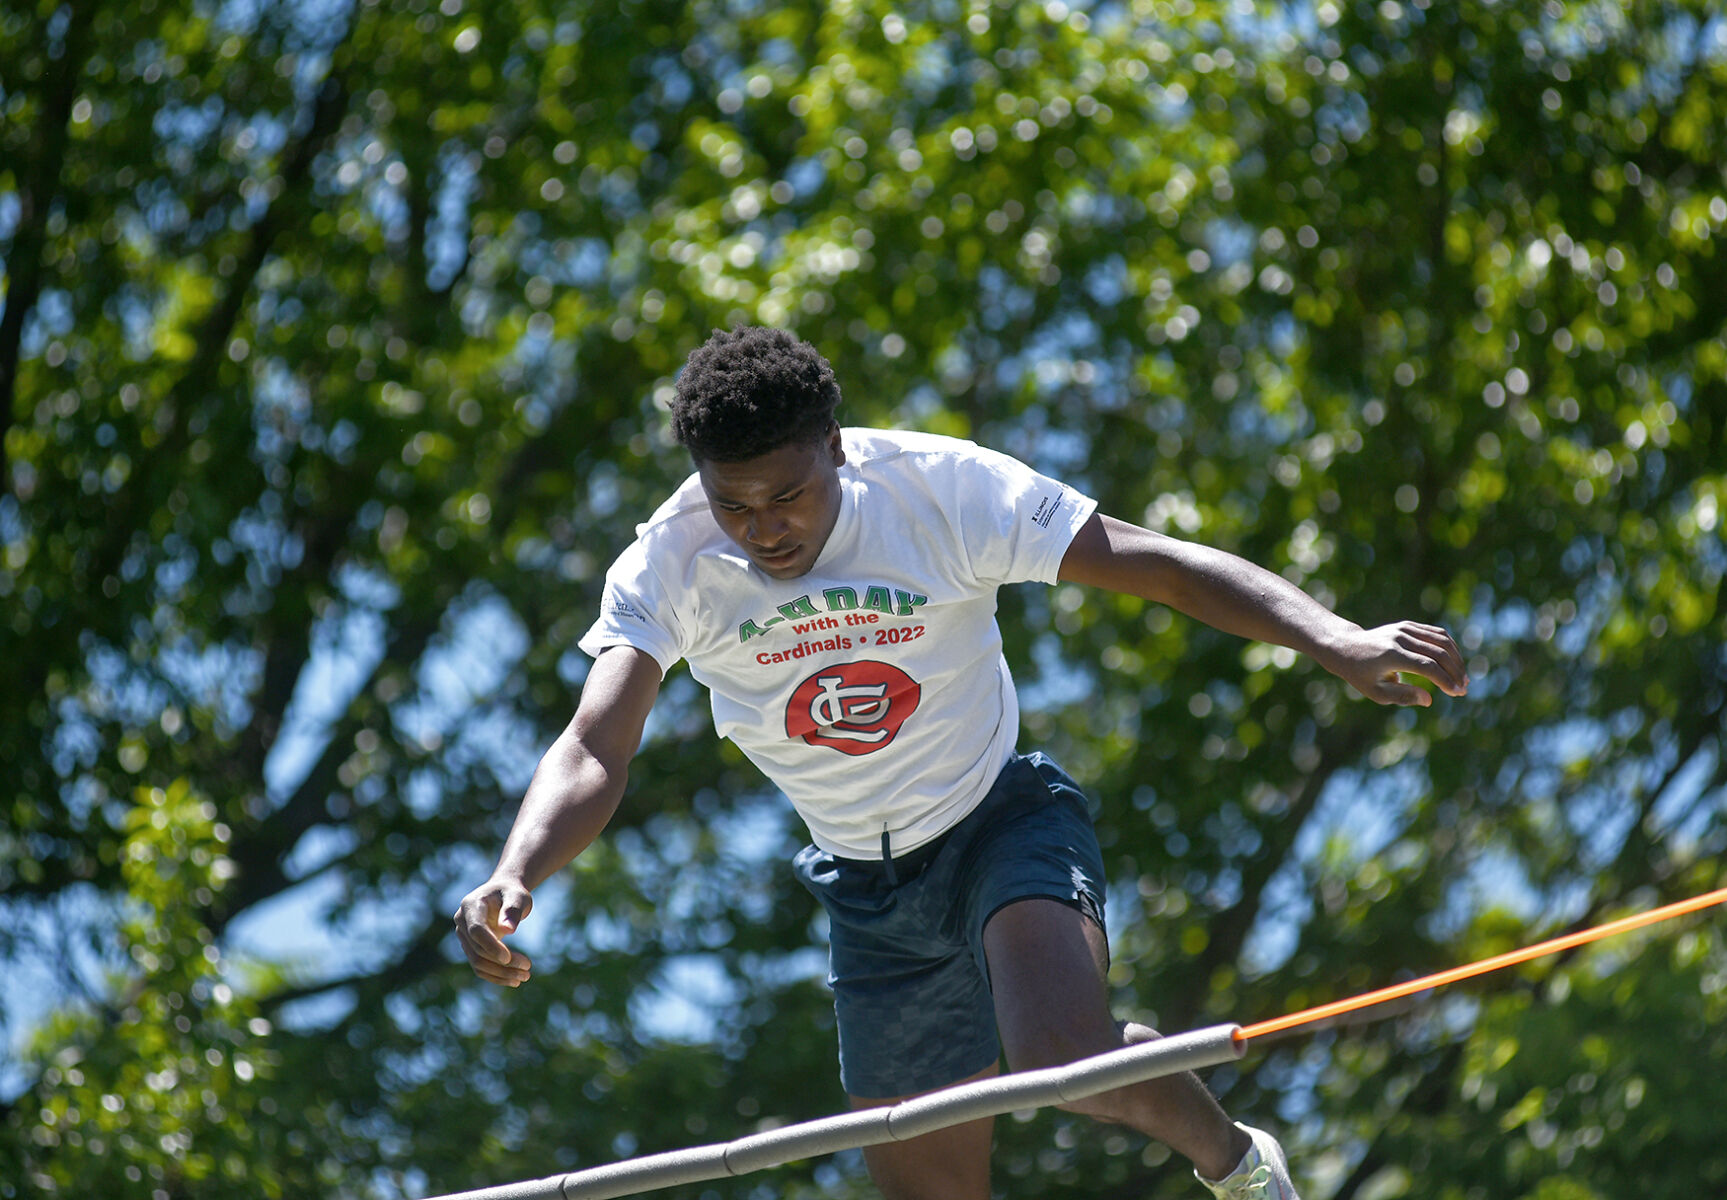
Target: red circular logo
855,708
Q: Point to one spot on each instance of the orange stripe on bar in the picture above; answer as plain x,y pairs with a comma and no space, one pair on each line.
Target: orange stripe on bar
1397,991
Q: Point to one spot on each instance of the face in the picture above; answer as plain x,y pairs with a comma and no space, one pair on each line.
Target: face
779,507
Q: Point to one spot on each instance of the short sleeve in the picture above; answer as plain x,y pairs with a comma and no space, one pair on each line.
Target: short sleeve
1015,523
635,611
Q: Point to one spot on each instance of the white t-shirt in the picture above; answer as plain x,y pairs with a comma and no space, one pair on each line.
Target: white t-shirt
871,690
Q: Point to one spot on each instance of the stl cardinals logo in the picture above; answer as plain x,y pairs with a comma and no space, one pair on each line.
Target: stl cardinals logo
855,708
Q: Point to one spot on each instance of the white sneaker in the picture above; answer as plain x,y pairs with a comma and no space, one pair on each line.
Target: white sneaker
1262,1173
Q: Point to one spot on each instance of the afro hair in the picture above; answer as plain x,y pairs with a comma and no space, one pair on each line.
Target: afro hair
751,391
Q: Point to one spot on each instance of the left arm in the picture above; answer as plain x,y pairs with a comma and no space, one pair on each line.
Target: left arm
1234,595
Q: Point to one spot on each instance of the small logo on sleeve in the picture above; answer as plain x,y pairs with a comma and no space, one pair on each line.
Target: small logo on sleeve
611,602
1046,510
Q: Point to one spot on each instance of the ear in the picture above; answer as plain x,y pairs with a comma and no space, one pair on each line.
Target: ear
836,446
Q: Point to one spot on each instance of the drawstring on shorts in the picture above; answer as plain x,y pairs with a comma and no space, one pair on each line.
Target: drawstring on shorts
887,858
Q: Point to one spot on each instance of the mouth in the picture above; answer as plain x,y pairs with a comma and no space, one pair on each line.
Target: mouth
780,558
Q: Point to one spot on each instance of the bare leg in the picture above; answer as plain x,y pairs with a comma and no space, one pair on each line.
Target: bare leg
949,1164
1046,965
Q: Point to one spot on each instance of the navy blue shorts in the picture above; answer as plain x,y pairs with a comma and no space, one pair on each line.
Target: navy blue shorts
906,961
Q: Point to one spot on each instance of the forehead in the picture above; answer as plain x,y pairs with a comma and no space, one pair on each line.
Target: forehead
763,477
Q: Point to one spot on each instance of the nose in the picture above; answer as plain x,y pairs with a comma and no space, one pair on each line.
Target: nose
766,529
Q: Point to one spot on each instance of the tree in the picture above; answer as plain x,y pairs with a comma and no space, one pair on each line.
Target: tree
331,366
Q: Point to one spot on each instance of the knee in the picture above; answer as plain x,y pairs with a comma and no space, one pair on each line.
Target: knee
1057,1045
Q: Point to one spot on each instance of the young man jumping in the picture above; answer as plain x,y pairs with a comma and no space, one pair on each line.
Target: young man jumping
835,591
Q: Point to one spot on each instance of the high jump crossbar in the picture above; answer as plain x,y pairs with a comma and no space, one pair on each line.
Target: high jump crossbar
1209,1047
912,1118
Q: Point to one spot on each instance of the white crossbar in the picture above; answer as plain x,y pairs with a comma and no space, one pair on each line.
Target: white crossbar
890,1123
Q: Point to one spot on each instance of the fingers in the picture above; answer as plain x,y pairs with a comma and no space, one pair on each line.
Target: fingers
1392,690
476,925
1431,653
513,974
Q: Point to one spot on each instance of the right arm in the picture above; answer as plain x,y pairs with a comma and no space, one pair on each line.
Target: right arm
574,792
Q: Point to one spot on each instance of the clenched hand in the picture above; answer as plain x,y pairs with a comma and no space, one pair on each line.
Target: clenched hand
489,912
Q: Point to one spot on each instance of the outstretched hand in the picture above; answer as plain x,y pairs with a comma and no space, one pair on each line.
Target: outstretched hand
1371,661
487,914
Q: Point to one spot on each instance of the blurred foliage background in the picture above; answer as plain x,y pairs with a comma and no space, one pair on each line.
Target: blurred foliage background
335,346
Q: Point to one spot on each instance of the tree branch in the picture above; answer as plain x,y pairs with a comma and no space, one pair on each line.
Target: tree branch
38,179
260,855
